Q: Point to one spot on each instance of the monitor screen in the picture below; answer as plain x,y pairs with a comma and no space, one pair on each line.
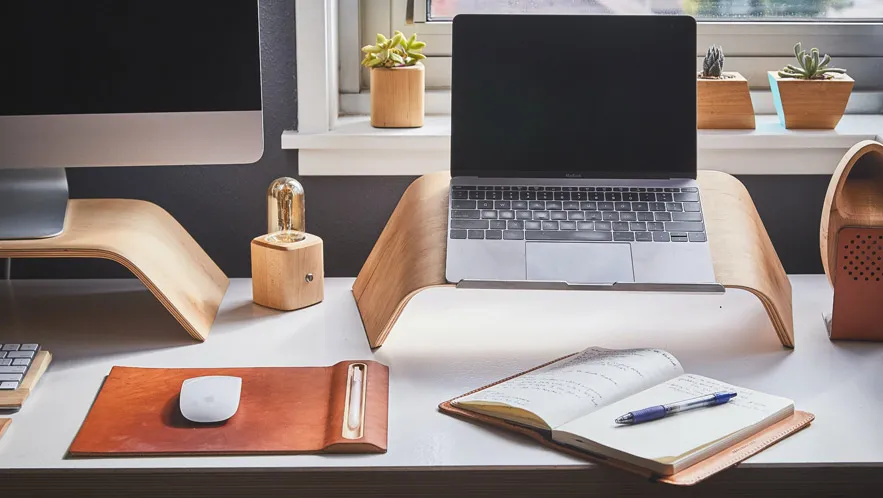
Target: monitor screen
574,96
129,82
112,56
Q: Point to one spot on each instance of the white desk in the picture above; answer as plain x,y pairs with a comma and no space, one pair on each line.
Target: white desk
447,342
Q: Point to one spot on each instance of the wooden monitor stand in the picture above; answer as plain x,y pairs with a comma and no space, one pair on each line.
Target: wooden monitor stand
144,238
409,256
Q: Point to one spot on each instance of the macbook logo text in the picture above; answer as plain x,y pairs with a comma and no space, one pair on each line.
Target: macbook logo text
573,175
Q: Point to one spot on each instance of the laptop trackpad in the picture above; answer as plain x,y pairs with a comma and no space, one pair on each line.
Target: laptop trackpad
579,262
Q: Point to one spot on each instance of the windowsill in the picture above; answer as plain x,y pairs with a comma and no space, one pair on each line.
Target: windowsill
355,148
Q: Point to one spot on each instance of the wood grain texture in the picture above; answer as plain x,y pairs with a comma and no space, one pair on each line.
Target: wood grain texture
397,96
409,256
741,250
852,221
724,104
810,104
854,198
4,424
279,273
14,400
148,241
281,410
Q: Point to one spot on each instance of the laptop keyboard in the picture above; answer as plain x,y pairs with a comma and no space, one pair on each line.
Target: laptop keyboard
595,214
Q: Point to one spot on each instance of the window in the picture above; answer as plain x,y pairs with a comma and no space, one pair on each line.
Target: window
444,10
749,30
758,35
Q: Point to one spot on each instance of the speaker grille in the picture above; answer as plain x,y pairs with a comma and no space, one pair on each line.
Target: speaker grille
858,286
862,256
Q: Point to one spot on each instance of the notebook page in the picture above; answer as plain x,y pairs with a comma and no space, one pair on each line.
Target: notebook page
676,435
580,384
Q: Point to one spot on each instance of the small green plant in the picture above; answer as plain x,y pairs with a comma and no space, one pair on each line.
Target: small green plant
393,52
713,65
812,67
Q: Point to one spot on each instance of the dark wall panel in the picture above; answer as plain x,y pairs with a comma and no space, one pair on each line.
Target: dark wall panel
224,207
791,209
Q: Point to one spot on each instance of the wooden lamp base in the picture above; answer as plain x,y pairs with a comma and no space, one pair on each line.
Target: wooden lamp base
287,276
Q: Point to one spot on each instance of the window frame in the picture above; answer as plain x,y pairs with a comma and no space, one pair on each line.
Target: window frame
329,33
752,49
749,45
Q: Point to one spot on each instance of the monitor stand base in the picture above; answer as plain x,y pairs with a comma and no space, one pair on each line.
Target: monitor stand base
33,203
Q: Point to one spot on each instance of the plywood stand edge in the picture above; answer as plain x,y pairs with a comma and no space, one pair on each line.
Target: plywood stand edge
150,243
4,424
409,256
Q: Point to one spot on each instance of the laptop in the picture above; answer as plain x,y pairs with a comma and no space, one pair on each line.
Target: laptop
573,154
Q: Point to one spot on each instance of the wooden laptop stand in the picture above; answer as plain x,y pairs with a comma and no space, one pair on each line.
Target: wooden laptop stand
144,238
409,256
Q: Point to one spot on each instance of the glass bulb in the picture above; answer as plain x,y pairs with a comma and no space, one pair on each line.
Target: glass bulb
285,211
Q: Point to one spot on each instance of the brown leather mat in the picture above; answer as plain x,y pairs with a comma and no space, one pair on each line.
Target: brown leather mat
281,410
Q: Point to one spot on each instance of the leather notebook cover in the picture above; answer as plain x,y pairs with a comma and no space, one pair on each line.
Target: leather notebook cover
281,410
723,460
858,285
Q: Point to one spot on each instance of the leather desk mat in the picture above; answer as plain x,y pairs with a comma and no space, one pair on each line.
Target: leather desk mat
282,410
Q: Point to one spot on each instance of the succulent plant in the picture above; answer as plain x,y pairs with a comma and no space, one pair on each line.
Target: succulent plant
713,65
393,52
812,67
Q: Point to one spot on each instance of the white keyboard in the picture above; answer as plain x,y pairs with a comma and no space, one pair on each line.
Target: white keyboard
15,360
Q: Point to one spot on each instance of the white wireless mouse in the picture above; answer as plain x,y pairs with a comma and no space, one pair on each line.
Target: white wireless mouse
210,399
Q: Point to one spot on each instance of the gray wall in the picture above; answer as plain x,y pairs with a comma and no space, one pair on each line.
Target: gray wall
223,207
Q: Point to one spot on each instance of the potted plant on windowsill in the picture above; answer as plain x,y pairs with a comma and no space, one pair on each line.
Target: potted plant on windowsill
397,81
812,96
723,100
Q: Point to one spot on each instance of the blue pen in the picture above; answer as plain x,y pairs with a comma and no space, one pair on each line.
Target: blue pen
660,411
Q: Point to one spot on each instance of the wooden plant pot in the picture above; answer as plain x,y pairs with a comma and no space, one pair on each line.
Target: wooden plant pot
810,104
724,104
397,96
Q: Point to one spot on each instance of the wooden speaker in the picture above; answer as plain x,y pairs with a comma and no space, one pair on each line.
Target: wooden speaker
851,243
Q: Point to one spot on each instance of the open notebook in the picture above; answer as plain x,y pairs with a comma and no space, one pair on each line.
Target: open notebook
578,397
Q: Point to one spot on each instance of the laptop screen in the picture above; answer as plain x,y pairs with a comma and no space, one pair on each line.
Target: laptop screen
574,96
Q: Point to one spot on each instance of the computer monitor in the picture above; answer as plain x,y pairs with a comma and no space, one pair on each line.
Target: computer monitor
120,83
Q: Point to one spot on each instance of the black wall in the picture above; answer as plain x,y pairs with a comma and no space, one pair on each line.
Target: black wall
223,207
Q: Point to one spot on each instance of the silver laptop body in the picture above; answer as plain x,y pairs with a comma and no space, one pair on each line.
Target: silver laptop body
566,178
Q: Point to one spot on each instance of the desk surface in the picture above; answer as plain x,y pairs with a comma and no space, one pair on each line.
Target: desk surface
435,354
